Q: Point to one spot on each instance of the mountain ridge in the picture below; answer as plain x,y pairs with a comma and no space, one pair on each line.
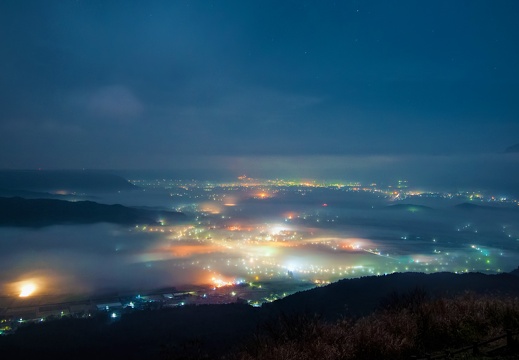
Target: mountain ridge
20,212
63,180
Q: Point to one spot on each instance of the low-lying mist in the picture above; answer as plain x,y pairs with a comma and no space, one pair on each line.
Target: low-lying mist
318,235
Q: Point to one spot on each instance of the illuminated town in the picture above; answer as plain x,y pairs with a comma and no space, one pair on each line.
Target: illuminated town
257,241
275,249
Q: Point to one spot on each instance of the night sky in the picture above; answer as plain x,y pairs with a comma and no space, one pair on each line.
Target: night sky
183,84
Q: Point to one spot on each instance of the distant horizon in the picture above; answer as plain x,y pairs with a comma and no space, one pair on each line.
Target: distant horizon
494,171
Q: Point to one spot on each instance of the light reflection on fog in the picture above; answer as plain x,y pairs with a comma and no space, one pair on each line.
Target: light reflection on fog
269,238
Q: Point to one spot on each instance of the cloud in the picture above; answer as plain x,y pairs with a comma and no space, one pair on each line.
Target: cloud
115,101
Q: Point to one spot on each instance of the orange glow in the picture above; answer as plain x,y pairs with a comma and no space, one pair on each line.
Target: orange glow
239,228
230,200
210,208
219,281
262,195
27,287
190,250
27,290
177,251
43,282
356,244
290,215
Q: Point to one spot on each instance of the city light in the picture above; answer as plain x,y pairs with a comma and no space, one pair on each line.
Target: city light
276,247
27,290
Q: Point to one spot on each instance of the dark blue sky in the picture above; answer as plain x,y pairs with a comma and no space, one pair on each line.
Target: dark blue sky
162,84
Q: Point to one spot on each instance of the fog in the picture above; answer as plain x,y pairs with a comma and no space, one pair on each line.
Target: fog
290,234
80,259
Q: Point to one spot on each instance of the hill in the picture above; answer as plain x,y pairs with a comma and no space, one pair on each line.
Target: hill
20,212
62,181
408,207
357,297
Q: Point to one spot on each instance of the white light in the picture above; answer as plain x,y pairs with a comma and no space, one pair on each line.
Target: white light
27,290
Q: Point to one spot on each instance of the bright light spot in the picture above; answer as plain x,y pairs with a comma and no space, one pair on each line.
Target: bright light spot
277,229
262,195
218,282
27,290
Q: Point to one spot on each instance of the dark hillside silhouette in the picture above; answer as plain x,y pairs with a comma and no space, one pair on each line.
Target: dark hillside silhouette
54,180
45,212
371,304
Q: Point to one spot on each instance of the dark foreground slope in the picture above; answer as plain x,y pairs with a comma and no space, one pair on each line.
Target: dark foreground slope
185,332
211,331
357,297
45,212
